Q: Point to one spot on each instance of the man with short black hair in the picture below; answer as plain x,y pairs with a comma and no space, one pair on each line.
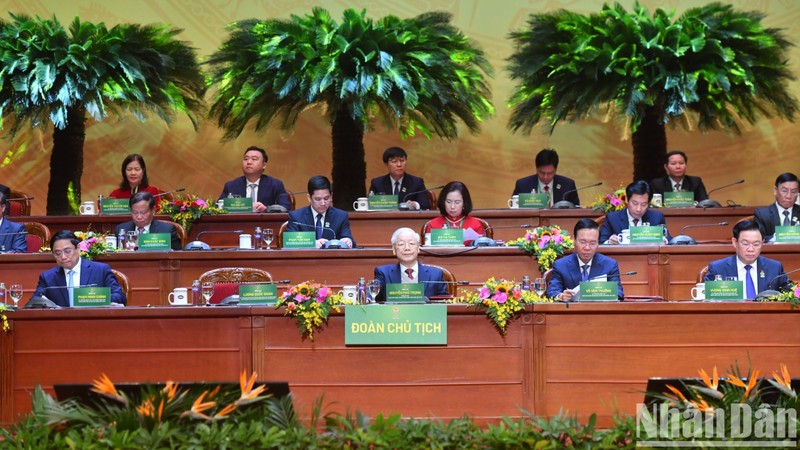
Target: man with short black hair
143,209
263,189
12,235
408,188
547,181
784,211
676,179
636,213
321,216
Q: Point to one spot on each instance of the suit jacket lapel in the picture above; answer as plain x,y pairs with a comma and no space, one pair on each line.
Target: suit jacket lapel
773,215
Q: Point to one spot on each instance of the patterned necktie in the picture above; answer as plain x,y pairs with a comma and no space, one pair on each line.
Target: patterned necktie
677,187
585,272
636,222
254,191
396,188
70,284
549,197
749,286
141,230
786,221
410,273
319,226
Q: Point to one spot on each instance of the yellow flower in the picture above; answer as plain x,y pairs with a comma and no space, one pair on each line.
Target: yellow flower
104,386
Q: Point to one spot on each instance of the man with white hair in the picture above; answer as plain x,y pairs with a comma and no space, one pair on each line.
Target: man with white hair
405,245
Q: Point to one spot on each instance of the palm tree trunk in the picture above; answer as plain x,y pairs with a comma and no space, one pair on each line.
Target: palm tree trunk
349,166
66,164
649,147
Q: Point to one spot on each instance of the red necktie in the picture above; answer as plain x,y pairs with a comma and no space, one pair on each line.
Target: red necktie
410,273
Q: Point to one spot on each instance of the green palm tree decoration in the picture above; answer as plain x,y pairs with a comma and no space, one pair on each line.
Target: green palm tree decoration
50,75
412,74
711,68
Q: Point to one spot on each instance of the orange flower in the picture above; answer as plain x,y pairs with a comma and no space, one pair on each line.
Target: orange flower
702,405
198,407
711,383
678,394
225,412
784,379
104,386
170,389
146,409
751,382
249,395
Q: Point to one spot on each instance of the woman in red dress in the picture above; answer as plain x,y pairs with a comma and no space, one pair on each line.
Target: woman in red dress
134,178
455,204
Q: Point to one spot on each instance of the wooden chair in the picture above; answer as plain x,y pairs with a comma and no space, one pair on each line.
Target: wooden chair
179,229
599,220
281,230
701,276
227,280
743,219
291,199
38,235
431,198
21,206
124,283
452,287
548,275
488,231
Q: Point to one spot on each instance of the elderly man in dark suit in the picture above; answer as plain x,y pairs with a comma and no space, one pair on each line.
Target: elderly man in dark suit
405,245
676,178
408,188
321,216
547,181
784,211
637,213
12,235
263,189
143,206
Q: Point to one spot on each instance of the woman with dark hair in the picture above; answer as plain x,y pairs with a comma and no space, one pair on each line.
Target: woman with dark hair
455,204
134,178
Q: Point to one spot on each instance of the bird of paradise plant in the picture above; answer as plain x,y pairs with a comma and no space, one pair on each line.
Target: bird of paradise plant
502,300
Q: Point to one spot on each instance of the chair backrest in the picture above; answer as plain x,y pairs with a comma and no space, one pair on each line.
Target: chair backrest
227,280
452,287
280,233
291,198
124,283
745,218
599,220
431,198
38,235
488,231
701,276
548,275
20,207
179,229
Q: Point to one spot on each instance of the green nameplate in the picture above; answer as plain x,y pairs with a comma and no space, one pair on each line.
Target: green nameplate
237,204
534,201
299,239
396,325
405,292
258,294
725,290
451,237
382,203
653,234
599,291
115,206
91,296
681,199
155,242
787,235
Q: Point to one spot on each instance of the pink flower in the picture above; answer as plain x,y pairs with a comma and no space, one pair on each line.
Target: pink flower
201,202
291,306
500,297
615,201
322,294
301,297
797,291
558,238
484,293
544,241
83,246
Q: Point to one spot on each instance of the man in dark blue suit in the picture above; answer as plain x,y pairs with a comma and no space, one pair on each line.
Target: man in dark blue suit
143,208
408,188
265,189
757,272
637,213
321,216
559,187
584,264
784,211
676,178
405,245
12,235
6,191
75,271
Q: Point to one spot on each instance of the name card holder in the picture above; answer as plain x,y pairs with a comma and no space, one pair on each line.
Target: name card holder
729,290
786,235
91,296
151,242
258,294
396,325
237,204
653,234
447,237
382,202
682,199
299,239
598,291
405,293
534,201
113,206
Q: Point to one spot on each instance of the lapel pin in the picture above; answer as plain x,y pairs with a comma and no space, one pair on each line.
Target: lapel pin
558,186
761,274
328,225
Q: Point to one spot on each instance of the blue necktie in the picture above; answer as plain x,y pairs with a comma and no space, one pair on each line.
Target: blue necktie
749,286
70,283
585,273
319,226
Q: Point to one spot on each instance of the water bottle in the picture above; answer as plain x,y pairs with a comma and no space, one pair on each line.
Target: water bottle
197,296
361,291
100,204
526,283
257,239
121,240
2,293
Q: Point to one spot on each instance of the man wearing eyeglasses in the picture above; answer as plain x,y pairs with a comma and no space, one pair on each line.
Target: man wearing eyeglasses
784,211
321,216
143,210
405,245
74,271
757,272
408,188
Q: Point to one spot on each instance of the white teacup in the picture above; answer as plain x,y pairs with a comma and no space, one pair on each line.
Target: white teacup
361,204
349,292
657,201
178,296
624,237
245,242
699,291
513,202
88,209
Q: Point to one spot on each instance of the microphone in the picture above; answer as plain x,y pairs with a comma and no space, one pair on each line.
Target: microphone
461,282
708,203
200,245
595,278
14,233
278,208
682,239
19,199
66,287
485,241
332,243
404,206
169,192
769,292
566,204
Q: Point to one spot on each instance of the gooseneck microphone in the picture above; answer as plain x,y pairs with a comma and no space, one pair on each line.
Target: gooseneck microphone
613,274
485,241
332,243
278,208
682,239
170,192
769,292
566,204
20,199
708,203
200,245
404,206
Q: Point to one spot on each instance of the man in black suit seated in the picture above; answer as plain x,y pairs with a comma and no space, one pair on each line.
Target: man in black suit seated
143,207
408,188
676,179
784,211
547,181
636,213
12,235
328,222
263,189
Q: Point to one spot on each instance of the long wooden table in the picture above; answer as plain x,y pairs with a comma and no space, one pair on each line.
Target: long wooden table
583,358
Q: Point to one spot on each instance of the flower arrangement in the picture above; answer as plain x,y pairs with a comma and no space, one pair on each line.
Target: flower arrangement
502,299
187,209
3,318
792,295
310,304
93,244
546,243
614,201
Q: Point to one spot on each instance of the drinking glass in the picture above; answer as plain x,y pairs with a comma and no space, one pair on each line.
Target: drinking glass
207,290
132,240
16,293
268,235
374,289
538,286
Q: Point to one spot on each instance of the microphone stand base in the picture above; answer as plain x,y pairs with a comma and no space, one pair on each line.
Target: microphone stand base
197,245
563,204
484,241
708,203
682,239
766,294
